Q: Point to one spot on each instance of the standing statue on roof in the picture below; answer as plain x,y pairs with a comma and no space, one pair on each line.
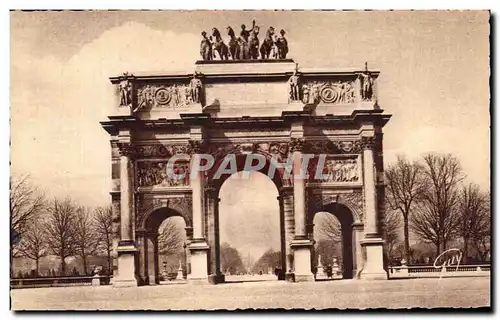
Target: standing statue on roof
282,45
205,47
244,37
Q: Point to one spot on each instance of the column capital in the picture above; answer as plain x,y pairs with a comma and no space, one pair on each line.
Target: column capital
368,143
196,146
296,144
126,149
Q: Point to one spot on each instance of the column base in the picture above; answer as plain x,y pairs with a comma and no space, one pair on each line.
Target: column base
199,262
302,260
304,277
216,278
290,277
373,268
196,281
126,276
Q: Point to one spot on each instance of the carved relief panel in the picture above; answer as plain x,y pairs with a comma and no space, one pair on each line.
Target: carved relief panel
169,95
335,92
157,173
162,96
338,170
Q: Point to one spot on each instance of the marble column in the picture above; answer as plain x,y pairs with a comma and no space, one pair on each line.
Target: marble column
357,249
212,212
373,267
289,226
126,250
142,257
150,257
301,243
198,246
189,238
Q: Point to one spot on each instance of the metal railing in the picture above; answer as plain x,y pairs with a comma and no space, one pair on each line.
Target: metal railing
479,268
43,282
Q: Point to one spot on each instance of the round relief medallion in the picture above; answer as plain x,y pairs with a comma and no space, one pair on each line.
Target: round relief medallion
162,96
328,94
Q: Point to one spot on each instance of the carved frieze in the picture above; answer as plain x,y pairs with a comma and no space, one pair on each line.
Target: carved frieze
155,173
341,170
169,95
159,96
334,147
296,144
160,150
126,149
277,150
334,92
368,142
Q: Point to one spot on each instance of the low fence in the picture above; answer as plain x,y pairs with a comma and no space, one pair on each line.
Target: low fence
16,283
422,271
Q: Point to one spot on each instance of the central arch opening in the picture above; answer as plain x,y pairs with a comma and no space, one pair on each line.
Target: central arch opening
250,228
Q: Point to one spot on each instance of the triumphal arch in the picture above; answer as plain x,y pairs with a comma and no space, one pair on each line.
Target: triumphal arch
269,111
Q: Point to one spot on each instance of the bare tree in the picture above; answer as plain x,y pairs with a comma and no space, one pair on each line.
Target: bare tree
60,230
405,185
170,239
329,228
33,244
26,202
392,222
473,213
103,223
86,239
482,237
436,219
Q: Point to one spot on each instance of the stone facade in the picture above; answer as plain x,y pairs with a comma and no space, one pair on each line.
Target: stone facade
242,108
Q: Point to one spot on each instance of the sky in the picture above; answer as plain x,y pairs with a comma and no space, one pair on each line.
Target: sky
434,80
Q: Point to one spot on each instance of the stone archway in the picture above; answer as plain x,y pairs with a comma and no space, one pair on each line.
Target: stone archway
212,194
249,113
347,207
147,235
345,218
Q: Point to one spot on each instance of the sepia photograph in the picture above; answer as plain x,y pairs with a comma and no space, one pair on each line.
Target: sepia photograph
250,160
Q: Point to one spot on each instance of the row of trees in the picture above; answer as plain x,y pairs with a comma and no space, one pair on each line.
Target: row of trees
59,227
434,203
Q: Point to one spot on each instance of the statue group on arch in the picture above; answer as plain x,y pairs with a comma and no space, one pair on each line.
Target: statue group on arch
246,46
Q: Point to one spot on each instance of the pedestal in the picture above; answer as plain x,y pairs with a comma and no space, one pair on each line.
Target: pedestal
126,276
373,268
199,263
302,260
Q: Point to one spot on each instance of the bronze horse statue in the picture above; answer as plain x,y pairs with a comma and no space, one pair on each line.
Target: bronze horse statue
234,45
205,47
219,45
267,45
